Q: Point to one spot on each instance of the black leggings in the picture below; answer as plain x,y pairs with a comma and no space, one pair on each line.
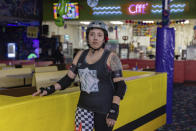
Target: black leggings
100,123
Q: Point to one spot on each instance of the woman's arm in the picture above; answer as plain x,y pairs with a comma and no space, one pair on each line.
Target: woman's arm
69,78
115,65
64,82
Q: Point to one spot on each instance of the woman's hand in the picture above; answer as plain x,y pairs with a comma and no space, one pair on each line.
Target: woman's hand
110,122
45,91
40,93
112,115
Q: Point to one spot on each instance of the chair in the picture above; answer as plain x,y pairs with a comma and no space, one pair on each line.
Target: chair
46,69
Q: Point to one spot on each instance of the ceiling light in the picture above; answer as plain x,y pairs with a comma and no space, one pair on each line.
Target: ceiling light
186,22
148,22
85,22
116,22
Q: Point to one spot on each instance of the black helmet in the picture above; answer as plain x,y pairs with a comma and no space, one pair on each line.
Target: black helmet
97,25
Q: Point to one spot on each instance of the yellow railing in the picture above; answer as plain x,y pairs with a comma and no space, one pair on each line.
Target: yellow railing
56,112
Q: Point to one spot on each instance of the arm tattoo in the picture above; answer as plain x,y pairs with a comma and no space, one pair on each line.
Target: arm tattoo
115,63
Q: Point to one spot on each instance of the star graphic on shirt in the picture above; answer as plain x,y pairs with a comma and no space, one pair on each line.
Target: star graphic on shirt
89,80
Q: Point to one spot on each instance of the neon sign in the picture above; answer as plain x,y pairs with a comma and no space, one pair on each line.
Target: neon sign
107,10
137,8
108,13
174,8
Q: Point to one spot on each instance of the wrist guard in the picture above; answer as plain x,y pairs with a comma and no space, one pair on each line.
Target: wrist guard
114,111
49,90
65,82
117,73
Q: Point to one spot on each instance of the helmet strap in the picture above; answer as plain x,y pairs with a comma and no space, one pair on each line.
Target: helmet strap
93,50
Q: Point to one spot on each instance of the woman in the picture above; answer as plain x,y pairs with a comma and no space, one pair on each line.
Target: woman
102,86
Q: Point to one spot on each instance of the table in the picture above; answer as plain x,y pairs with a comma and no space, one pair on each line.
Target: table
24,76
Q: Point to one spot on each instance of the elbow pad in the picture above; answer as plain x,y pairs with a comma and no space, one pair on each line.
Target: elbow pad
74,69
120,89
117,73
65,82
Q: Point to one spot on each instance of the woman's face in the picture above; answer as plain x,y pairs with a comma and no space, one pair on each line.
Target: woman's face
96,38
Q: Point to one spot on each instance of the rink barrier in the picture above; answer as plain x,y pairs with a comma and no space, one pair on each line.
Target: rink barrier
145,98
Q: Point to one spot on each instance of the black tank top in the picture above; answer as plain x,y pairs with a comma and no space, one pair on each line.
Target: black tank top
96,84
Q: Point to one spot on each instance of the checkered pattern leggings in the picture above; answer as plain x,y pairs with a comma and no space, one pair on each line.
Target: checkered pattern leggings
84,120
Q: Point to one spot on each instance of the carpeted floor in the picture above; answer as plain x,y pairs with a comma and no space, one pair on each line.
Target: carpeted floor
183,109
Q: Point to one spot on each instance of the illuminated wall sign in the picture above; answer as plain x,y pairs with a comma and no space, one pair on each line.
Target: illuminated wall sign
138,8
177,5
11,47
107,13
174,8
107,10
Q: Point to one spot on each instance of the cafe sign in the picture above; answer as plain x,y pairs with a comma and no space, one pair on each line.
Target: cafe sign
138,8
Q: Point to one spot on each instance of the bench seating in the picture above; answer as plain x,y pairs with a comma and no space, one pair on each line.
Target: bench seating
44,79
46,69
6,81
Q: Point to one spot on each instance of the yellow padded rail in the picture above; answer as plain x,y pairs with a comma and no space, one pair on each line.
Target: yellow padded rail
154,124
143,95
56,112
135,73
